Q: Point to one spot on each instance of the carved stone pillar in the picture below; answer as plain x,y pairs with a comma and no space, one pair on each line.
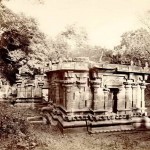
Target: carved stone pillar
68,95
33,87
57,99
18,89
121,99
98,96
128,96
134,96
143,97
81,85
53,91
28,90
138,102
40,84
107,103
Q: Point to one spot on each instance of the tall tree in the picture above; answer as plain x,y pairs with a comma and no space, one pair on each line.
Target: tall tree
21,43
73,42
135,45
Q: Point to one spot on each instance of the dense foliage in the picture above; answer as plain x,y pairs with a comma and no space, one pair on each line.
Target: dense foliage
135,45
22,45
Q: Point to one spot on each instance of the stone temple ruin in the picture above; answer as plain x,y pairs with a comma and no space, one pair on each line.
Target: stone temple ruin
97,96
83,95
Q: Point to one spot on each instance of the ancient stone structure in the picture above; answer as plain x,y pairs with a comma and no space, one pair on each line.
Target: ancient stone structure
95,96
31,90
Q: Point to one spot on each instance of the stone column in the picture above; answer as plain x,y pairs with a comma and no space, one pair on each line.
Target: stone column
33,87
121,106
57,93
138,102
143,97
134,96
128,96
98,96
107,102
82,101
18,89
26,90
53,93
50,93
68,102
81,85
40,84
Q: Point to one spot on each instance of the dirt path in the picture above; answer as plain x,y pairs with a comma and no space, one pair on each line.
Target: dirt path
52,139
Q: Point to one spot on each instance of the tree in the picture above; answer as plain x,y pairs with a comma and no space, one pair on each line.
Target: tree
135,45
21,44
73,42
70,42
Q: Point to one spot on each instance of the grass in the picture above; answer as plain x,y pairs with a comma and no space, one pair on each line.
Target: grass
52,139
47,137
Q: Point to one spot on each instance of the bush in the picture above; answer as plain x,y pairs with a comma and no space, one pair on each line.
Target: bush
14,129
11,122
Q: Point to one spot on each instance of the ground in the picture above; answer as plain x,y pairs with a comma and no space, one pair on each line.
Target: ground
52,139
46,137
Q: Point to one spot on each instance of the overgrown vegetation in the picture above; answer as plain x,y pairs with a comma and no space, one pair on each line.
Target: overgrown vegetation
15,131
21,43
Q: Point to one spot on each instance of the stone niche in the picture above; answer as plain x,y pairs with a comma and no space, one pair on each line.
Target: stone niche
96,97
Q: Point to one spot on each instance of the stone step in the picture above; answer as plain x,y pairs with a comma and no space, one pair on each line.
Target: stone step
37,120
50,119
116,128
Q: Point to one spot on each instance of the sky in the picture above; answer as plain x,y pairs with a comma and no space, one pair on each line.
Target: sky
104,20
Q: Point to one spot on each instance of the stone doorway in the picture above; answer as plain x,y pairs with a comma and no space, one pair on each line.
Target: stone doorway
114,98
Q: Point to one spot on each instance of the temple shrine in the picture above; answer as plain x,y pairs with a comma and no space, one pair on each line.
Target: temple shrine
98,97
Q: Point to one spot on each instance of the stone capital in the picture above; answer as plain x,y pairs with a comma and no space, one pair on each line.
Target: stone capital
143,87
106,90
142,84
128,86
67,82
95,83
19,83
134,85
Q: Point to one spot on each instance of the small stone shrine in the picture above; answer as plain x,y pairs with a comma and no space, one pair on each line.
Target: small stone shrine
96,96
31,90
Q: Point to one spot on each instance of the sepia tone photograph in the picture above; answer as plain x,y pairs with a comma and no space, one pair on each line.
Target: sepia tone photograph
74,74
